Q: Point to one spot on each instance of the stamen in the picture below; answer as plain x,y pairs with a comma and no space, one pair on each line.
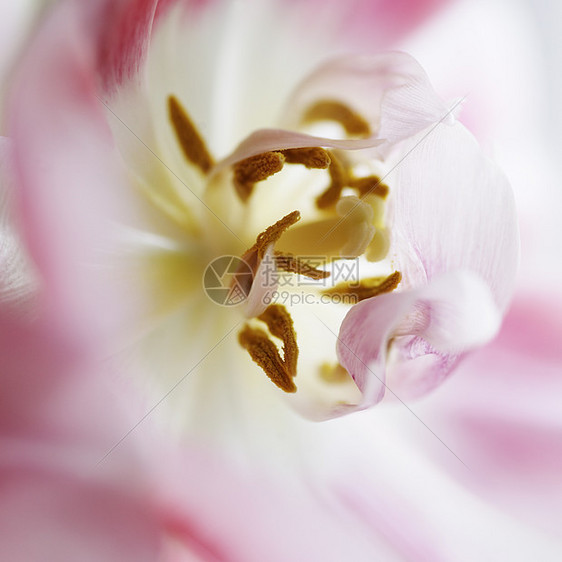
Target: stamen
370,185
191,141
339,178
269,236
333,110
314,157
292,264
264,352
272,234
280,325
254,169
367,288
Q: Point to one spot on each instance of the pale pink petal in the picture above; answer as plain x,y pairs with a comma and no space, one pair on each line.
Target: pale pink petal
501,414
453,212
453,209
17,281
68,181
266,140
427,329
391,90
284,518
47,515
370,24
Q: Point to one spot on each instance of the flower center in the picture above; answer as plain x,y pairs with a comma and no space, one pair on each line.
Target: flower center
347,223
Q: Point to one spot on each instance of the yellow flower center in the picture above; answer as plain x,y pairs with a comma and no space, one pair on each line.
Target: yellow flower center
348,222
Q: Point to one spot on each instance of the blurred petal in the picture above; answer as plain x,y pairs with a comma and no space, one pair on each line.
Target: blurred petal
17,282
501,413
69,205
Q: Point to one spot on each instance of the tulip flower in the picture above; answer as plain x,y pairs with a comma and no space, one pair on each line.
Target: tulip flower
142,162
234,210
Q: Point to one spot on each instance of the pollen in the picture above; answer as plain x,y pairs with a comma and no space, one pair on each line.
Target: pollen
293,264
264,352
269,236
192,144
254,169
280,324
272,234
367,288
338,180
334,110
370,185
312,158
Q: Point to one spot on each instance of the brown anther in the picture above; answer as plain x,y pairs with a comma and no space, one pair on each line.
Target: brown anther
191,141
370,185
280,324
271,234
315,157
367,288
292,264
334,110
265,353
338,180
254,169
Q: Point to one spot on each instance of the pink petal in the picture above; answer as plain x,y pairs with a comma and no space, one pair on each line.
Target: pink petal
501,414
123,29
69,205
453,212
428,329
53,516
17,282
391,90
265,140
372,24
453,209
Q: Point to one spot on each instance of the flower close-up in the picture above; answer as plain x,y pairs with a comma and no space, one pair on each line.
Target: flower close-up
247,249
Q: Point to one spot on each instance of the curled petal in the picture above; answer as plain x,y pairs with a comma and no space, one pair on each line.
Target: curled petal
266,140
410,341
391,90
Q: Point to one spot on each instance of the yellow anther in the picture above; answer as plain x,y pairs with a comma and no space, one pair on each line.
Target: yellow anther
334,110
367,288
191,141
254,169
